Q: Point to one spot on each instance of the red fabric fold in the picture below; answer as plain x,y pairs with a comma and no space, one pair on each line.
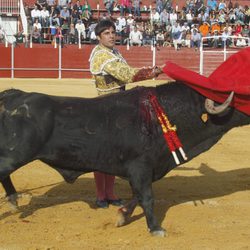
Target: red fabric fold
231,75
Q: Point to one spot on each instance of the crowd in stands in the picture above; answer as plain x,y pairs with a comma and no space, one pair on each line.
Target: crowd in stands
165,25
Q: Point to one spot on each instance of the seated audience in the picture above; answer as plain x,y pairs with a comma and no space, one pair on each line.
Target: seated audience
135,37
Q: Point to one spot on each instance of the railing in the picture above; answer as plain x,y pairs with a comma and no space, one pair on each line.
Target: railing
9,7
224,49
57,46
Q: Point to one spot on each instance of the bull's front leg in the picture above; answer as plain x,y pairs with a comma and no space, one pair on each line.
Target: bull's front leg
146,201
141,184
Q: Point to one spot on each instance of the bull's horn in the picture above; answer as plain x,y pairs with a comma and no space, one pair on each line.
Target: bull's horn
212,109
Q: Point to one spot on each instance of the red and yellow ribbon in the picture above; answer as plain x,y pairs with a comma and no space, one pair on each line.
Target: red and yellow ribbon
169,131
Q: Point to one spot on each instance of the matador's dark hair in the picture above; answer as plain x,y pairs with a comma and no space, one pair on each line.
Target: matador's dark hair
103,25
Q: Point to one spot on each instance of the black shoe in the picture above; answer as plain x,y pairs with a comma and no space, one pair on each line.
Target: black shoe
117,202
102,203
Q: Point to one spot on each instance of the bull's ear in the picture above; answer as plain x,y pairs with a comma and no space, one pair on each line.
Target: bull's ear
215,110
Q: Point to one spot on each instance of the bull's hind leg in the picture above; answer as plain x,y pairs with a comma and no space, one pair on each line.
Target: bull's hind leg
125,212
10,190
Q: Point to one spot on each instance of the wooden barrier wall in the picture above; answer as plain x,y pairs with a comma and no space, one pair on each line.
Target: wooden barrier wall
45,56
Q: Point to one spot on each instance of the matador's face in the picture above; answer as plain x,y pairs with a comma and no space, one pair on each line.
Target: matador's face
107,38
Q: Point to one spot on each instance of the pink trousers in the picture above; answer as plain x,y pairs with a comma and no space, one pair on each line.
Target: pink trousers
104,186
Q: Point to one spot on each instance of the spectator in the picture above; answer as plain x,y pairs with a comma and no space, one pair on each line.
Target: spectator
241,42
230,5
86,16
195,39
53,30
61,4
199,6
130,21
109,4
91,29
189,5
120,28
225,37
173,17
164,18
222,17
40,4
20,37
155,17
215,41
222,5
178,40
59,36
77,7
229,29
247,15
245,31
64,15
125,6
54,16
35,14
215,26
45,17
65,31
122,21
75,16
50,4
203,17
135,37
232,16
238,29
81,30
160,39
159,6
204,29
190,18
86,8
240,15
72,34
147,37
136,5
187,38
212,5
167,5
36,35
184,27
93,38
37,25
176,31
213,16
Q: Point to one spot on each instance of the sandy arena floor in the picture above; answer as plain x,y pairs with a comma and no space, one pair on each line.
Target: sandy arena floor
204,204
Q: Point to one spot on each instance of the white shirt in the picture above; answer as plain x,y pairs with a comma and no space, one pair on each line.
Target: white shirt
135,36
80,27
44,13
37,25
122,21
35,13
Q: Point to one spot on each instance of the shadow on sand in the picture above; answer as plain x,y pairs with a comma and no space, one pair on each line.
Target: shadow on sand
169,191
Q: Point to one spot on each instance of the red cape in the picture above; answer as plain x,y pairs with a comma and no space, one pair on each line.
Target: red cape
231,75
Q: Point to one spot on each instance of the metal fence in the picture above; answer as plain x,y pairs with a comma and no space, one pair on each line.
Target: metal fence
223,49
9,7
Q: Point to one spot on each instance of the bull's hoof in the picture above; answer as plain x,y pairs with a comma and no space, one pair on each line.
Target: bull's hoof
122,217
12,199
159,232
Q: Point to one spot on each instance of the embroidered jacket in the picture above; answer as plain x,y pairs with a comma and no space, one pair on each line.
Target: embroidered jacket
110,70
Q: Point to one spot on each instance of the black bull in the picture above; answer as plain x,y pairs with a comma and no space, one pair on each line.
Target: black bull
116,134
